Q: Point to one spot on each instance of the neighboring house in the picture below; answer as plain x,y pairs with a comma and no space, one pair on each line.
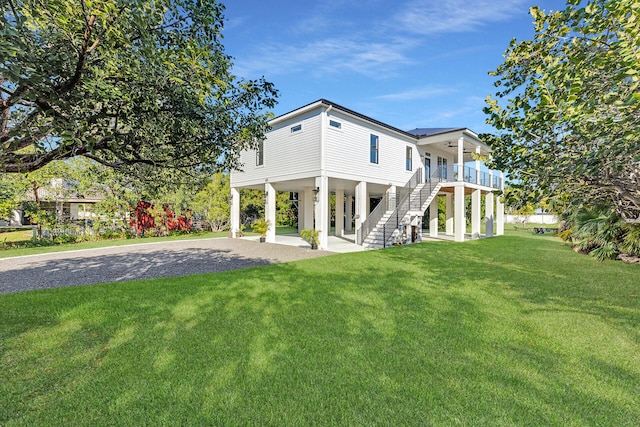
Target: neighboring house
384,178
62,198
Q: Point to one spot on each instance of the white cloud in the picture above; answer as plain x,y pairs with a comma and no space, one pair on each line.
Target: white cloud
445,16
417,94
322,43
374,59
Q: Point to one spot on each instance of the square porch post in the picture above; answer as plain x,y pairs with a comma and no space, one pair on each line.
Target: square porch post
322,211
489,213
500,209
460,226
449,214
235,212
475,214
349,214
499,218
340,213
270,211
361,203
433,217
307,211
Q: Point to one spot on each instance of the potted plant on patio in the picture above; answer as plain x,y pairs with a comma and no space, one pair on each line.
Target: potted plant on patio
261,226
312,236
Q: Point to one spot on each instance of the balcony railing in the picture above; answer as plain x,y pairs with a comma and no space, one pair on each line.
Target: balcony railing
485,179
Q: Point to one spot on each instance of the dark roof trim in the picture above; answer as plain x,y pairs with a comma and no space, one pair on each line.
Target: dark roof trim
422,132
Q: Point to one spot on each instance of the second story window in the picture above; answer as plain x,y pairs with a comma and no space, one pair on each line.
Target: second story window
408,159
296,128
260,154
374,147
335,124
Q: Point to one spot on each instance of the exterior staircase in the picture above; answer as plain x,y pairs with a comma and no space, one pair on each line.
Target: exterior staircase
383,227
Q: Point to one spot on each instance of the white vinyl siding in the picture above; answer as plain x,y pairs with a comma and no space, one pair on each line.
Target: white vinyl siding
348,152
284,154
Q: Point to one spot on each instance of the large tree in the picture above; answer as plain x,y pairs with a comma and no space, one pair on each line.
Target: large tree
568,106
123,82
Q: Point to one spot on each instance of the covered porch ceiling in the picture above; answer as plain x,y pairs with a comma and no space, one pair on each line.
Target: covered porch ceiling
298,186
447,140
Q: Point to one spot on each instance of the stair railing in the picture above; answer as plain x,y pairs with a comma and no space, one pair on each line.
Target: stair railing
389,201
410,202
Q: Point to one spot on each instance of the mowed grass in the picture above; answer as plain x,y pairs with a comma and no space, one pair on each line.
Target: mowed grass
515,330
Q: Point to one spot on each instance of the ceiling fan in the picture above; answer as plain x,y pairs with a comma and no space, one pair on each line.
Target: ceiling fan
464,151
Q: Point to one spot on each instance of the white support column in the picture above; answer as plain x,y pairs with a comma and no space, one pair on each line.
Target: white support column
460,159
449,214
392,193
300,211
475,214
307,220
499,217
339,213
362,204
349,214
500,209
488,205
460,221
478,166
433,218
235,212
322,211
270,212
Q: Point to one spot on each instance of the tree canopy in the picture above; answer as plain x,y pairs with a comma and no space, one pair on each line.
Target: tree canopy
125,83
568,106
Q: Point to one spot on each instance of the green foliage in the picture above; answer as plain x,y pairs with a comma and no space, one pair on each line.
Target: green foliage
11,193
130,83
631,240
311,235
568,105
285,210
602,233
261,226
251,205
212,202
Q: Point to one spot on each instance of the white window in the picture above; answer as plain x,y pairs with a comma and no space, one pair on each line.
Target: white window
408,159
373,151
260,154
296,128
335,124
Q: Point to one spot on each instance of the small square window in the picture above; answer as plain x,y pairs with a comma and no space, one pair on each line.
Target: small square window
296,128
335,124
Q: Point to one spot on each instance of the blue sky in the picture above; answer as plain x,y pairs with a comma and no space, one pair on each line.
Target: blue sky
408,63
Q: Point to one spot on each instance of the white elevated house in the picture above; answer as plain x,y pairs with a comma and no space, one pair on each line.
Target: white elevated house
384,179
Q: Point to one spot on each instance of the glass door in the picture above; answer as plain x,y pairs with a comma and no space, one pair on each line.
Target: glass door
427,166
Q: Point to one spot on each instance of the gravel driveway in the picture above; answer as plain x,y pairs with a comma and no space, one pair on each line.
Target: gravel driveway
141,261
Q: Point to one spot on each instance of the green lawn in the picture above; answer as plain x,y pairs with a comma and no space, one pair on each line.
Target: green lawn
515,330
16,235
103,244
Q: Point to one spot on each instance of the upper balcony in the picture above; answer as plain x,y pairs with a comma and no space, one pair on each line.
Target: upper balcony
470,175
